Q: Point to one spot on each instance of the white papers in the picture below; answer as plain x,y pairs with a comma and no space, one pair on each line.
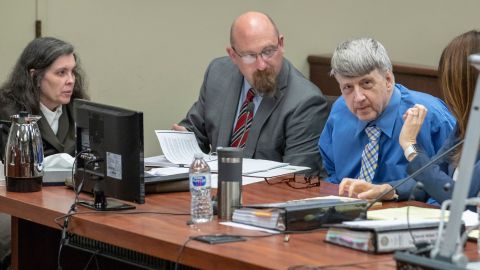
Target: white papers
158,161
250,166
279,171
166,171
470,218
179,146
245,180
391,224
419,213
400,213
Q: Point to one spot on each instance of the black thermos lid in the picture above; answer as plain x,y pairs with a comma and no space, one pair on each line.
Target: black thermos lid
229,164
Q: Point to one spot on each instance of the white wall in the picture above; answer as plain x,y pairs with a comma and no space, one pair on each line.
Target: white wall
150,55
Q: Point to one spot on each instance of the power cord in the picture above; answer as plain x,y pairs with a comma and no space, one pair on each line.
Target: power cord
177,261
411,197
73,208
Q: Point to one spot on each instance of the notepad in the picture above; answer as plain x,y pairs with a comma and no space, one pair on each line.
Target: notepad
414,213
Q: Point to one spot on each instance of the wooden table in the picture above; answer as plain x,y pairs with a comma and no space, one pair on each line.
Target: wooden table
162,235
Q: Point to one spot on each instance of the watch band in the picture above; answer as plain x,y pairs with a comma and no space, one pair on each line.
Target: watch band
411,149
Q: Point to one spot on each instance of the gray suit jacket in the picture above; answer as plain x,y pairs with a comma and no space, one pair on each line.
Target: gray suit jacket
286,127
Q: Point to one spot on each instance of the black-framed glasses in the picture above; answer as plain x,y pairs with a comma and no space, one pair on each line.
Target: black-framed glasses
250,58
296,181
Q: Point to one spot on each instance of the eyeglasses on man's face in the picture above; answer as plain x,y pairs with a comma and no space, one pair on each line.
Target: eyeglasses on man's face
250,58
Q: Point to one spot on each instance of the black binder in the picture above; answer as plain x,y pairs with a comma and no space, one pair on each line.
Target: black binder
300,215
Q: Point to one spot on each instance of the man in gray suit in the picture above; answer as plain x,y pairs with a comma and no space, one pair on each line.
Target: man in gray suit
256,99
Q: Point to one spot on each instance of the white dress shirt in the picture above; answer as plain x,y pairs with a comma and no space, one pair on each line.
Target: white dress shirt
52,117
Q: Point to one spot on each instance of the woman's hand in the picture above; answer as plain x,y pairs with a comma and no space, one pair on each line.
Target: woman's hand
413,120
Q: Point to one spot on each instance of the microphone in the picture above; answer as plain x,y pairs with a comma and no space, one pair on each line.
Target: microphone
250,108
363,215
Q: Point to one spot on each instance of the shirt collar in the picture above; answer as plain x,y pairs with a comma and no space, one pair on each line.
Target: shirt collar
246,87
50,116
387,119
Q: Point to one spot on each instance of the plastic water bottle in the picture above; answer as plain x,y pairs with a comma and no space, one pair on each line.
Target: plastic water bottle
201,204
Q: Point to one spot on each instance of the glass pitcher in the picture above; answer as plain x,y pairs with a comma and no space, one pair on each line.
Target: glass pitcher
24,154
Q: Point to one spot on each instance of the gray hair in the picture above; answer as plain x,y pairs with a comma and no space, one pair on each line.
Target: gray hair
358,57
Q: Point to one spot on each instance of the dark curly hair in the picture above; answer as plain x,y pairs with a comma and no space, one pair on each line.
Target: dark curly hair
22,87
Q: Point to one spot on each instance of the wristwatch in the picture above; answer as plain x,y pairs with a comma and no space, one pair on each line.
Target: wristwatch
410,150
395,196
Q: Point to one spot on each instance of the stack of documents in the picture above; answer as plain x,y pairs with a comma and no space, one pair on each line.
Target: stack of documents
401,213
265,218
300,214
179,148
379,236
251,166
391,229
469,218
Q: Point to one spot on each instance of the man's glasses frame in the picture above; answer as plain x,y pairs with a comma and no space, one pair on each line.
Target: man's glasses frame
296,181
265,54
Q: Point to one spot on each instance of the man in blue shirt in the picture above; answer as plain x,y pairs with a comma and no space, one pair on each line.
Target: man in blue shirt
371,100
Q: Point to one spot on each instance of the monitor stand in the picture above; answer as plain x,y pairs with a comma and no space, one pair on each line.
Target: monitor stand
112,205
102,203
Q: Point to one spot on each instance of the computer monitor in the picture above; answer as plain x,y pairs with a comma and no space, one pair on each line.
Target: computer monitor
109,145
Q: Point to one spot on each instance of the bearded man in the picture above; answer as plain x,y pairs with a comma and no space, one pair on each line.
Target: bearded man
257,100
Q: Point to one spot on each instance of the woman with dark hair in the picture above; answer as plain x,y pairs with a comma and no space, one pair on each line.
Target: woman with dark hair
44,81
457,80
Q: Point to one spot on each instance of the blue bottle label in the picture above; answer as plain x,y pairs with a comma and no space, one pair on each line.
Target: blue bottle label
199,180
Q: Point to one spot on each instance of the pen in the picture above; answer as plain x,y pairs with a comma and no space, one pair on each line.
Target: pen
262,214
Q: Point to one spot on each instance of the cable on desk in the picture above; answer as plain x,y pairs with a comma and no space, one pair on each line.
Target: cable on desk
177,261
411,197
71,211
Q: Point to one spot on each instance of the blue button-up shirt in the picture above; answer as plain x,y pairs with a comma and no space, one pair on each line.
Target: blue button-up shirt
343,139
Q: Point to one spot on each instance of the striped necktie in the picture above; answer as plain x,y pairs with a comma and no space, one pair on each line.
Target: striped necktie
370,154
244,121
